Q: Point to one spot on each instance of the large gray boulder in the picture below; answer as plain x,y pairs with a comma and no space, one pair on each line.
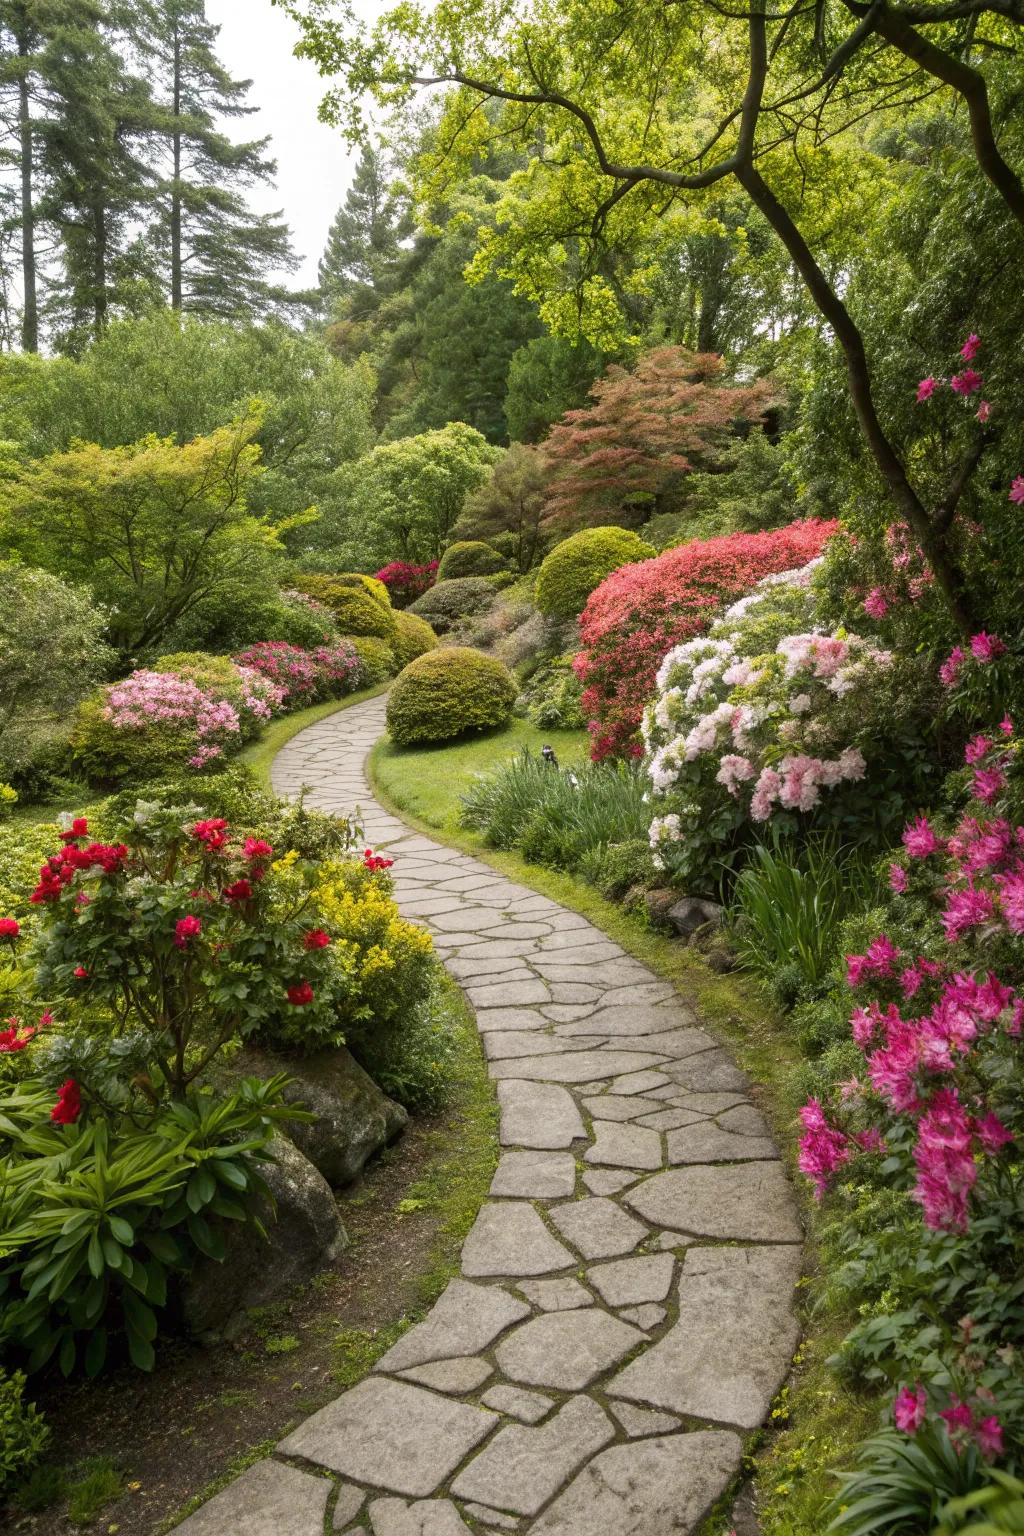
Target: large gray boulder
354,1119
693,917
304,1235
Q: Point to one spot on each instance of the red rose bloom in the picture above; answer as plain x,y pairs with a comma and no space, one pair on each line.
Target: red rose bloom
69,1104
187,928
80,972
316,939
240,891
9,927
256,848
300,994
375,861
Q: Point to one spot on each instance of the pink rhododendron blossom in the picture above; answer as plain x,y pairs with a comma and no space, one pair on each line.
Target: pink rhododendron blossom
909,1409
734,771
1011,900
1017,490
1006,725
926,389
965,909
988,1433
987,784
946,1167
992,1133
919,840
871,1140
976,749
985,647
823,1148
983,412
897,878
876,604
957,1416
966,383
949,672
971,347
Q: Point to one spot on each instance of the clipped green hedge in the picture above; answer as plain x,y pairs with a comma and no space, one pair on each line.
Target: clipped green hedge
360,604
414,638
377,658
449,692
449,601
469,557
573,569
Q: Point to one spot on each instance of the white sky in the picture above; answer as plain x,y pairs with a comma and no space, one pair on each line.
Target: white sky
314,166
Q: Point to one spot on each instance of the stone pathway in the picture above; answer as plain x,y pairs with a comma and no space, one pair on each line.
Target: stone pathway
624,1311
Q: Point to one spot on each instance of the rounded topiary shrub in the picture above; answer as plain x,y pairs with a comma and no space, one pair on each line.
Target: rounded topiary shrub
469,557
449,692
449,601
360,604
414,638
580,563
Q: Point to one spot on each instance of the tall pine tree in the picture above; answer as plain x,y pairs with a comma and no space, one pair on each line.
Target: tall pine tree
359,263
216,253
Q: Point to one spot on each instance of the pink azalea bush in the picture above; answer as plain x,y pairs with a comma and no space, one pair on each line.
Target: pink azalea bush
748,723
304,676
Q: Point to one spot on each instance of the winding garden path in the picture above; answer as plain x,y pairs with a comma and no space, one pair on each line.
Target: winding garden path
624,1312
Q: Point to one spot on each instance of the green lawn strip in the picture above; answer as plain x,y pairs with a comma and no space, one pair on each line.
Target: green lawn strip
819,1423
427,782
259,755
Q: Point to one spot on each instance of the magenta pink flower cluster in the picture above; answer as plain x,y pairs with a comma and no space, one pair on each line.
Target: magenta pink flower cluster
910,575
963,1421
303,676
147,699
984,649
966,384
922,1060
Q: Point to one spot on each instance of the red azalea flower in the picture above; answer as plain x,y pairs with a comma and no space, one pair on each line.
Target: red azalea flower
187,928
80,972
13,1038
69,1104
78,828
256,848
316,939
375,861
240,891
300,994
212,832
9,928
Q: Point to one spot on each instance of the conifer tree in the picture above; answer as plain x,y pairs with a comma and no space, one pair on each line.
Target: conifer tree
359,263
217,254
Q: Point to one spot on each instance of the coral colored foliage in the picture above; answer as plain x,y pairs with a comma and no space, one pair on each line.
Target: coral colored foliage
640,612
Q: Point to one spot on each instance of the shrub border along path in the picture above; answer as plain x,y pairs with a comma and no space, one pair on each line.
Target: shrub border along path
623,1316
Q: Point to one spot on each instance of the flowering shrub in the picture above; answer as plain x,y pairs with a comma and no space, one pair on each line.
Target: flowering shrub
638,613
304,676
405,582
740,734
159,719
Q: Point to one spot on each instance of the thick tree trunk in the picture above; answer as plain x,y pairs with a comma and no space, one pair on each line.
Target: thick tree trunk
176,280
945,569
30,311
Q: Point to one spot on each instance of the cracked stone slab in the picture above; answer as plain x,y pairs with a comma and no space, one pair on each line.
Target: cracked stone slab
499,1044
575,1066
745,1120
541,1115
535,1175
463,1320
749,1202
670,1119
732,1347
463,1374
670,1240
709,1143
521,1467
610,1107
508,994
638,1422
557,1295
624,1146
597,1228
566,1350
627,1282
638,1082
609,1181
518,1403
391,1435
710,1072
491,1517
656,1487
427,1517
647,1316
632,1022
346,1506
269,1499
509,1238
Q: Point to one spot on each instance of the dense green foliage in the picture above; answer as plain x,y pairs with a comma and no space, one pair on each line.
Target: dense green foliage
413,636
469,557
447,693
449,601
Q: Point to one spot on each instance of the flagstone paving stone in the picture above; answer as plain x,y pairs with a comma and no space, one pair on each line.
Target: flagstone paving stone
599,1070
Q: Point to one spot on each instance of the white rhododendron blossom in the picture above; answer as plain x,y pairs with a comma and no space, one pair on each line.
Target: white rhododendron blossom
750,721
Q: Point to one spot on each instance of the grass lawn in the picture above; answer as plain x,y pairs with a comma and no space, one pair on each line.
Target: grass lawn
428,782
